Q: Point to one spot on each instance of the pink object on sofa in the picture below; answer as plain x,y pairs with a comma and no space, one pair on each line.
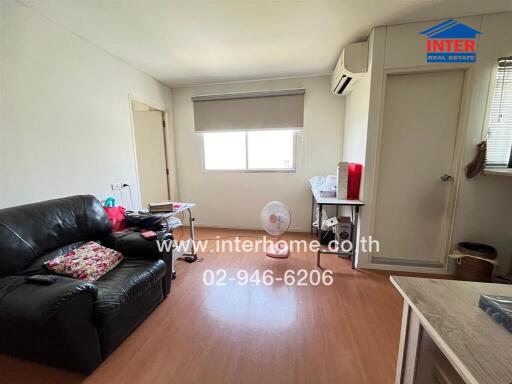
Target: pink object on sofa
88,262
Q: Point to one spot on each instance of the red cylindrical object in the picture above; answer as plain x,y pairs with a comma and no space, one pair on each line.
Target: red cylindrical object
354,180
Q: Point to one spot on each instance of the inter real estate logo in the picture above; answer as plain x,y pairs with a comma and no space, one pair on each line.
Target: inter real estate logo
451,42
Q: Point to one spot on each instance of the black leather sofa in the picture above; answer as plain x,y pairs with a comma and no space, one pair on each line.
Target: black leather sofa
73,324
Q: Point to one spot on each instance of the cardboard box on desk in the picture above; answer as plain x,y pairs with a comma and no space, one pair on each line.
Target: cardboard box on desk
165,206
342,185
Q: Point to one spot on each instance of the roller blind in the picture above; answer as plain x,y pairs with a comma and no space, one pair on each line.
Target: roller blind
499,141
249,111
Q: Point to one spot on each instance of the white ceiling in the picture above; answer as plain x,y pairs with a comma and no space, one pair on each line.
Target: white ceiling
185,42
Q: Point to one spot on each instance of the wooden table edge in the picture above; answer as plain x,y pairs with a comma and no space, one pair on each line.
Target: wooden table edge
436,337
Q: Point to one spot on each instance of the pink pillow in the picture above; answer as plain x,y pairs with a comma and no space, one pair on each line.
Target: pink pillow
88,262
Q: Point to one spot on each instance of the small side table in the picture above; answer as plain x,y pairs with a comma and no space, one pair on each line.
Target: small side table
191,219
166,216
320,202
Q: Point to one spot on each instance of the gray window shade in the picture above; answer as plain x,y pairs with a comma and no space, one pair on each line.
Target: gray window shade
499,141
249,111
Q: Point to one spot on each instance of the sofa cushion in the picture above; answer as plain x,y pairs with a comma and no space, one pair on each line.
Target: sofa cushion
131,279
88,262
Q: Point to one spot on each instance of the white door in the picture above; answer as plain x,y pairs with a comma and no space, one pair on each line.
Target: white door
151,156
421,115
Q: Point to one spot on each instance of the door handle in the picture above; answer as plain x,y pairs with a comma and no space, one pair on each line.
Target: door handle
446,177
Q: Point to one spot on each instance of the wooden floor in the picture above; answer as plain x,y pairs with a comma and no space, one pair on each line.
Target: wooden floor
344,333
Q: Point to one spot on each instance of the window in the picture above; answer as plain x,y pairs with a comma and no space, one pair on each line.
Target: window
250,131
269,150
499,141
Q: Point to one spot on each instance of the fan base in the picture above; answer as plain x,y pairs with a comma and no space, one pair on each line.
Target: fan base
278,250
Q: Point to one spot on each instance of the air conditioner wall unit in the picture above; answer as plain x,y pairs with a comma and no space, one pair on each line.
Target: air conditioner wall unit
352,64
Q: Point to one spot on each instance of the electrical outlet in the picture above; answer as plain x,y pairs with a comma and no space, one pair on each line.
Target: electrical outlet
116,186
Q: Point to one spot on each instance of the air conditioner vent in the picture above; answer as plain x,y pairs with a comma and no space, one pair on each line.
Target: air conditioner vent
343,84
352,64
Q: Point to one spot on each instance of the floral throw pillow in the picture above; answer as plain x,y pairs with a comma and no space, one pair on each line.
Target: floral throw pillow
88,262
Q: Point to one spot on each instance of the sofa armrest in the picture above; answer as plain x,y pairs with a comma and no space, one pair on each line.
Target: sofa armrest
131,244
52,324
26,301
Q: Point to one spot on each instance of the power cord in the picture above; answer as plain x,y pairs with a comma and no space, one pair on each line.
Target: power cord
126,185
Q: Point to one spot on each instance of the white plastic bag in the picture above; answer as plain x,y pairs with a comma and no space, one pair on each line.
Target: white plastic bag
324,218
325,185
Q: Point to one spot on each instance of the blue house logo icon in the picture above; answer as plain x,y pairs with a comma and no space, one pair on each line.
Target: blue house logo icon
451,42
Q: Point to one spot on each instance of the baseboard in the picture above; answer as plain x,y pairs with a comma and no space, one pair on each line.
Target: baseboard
442,270
407,263
249,228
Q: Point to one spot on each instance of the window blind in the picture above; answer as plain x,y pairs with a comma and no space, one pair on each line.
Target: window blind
283,109
499,141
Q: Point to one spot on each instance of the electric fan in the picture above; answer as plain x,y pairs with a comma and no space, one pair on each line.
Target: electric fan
275,219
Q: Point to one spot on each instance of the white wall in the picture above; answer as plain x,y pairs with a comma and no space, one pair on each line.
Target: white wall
483,208
357,104
360,143
65,115
235,199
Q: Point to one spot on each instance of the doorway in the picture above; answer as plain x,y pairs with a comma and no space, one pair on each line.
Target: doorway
151,153
416,167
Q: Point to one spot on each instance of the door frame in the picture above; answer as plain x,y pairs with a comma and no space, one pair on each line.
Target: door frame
168,144
457,167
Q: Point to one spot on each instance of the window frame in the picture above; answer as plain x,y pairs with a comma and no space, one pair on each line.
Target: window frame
485,130
293,169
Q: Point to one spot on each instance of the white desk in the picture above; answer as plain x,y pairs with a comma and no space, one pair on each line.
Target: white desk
180,254
332,200
192,255
321,201
447,338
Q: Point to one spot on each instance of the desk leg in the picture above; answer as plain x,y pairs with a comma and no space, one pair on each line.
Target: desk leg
319,229
355,239
320,209
192,256
312,213
410,336
192,234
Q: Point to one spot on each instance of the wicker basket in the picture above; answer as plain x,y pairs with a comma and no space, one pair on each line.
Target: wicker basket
476,262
